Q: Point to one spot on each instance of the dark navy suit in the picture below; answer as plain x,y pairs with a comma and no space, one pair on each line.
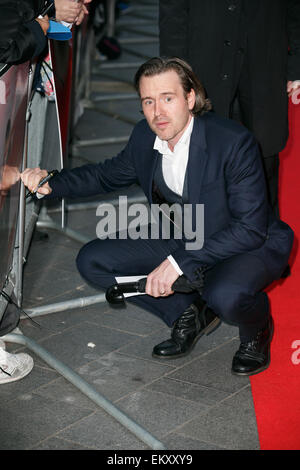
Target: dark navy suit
245,246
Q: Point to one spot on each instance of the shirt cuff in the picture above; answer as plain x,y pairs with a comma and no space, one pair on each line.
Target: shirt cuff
175,265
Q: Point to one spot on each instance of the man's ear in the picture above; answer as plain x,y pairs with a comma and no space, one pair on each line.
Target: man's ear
191,99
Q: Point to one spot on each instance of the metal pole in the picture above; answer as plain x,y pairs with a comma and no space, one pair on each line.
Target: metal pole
65,305
101,141
85,388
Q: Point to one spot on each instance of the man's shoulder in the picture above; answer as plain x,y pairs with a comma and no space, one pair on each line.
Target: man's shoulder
225,127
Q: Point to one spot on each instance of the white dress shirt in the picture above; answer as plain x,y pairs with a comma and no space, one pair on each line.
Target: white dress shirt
174,167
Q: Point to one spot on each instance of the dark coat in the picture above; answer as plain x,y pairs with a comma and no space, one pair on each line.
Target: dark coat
216,36
21,37
224,173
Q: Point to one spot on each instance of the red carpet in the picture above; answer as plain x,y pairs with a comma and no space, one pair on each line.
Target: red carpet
276,392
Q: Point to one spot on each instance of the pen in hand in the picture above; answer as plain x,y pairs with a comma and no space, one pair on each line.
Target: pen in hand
42,182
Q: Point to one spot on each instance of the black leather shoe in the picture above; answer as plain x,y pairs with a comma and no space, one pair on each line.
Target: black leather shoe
254,356
189,327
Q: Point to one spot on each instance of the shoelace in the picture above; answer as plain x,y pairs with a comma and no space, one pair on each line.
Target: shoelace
5,372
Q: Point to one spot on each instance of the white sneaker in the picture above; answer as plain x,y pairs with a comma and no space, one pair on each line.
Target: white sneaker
14,366
2,344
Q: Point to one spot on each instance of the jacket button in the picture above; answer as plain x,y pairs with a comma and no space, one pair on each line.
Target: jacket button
224,76
232,7
227,42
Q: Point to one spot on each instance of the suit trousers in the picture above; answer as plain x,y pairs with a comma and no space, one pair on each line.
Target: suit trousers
233,288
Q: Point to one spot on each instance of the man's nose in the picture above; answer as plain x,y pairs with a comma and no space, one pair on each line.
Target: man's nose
157,108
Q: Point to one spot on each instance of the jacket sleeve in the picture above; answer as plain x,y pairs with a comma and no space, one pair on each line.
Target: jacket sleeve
293,25
20,40
173,28
247,203
92,179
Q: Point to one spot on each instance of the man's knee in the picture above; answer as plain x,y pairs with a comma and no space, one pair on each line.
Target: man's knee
89,257
83,261
95,265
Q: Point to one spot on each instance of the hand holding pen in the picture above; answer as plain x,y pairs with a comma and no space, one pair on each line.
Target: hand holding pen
37,180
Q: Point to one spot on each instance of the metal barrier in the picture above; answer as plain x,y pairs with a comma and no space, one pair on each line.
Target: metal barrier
33,116
13,105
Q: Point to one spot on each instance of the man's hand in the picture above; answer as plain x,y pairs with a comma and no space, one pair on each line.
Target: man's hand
44,23
70,10
32,177
159,281
84,11
292,86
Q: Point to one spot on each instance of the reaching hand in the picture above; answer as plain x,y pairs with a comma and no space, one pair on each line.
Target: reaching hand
44,23
292,86
31,178
70,10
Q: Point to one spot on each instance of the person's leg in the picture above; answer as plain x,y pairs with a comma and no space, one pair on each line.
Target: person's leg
234,291
100,261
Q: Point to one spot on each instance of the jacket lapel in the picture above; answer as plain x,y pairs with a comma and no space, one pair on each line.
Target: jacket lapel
149,171
197,162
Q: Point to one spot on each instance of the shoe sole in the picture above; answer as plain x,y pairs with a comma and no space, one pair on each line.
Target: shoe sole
206,331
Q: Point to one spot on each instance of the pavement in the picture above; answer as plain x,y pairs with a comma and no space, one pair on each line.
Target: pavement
191,403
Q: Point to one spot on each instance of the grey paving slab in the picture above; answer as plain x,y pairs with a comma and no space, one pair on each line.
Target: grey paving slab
54,443
207,396
44,287
122,320
95,125
25,387
177,441
65,392
96,154
230,424
115,375
113,74
50,254
102,432
71,346
124,110
157,412
213,369
56,323
29,419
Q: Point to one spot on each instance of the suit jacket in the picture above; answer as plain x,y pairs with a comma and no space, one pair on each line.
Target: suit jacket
224,173
218,36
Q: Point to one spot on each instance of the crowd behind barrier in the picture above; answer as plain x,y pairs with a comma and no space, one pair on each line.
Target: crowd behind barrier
37,100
